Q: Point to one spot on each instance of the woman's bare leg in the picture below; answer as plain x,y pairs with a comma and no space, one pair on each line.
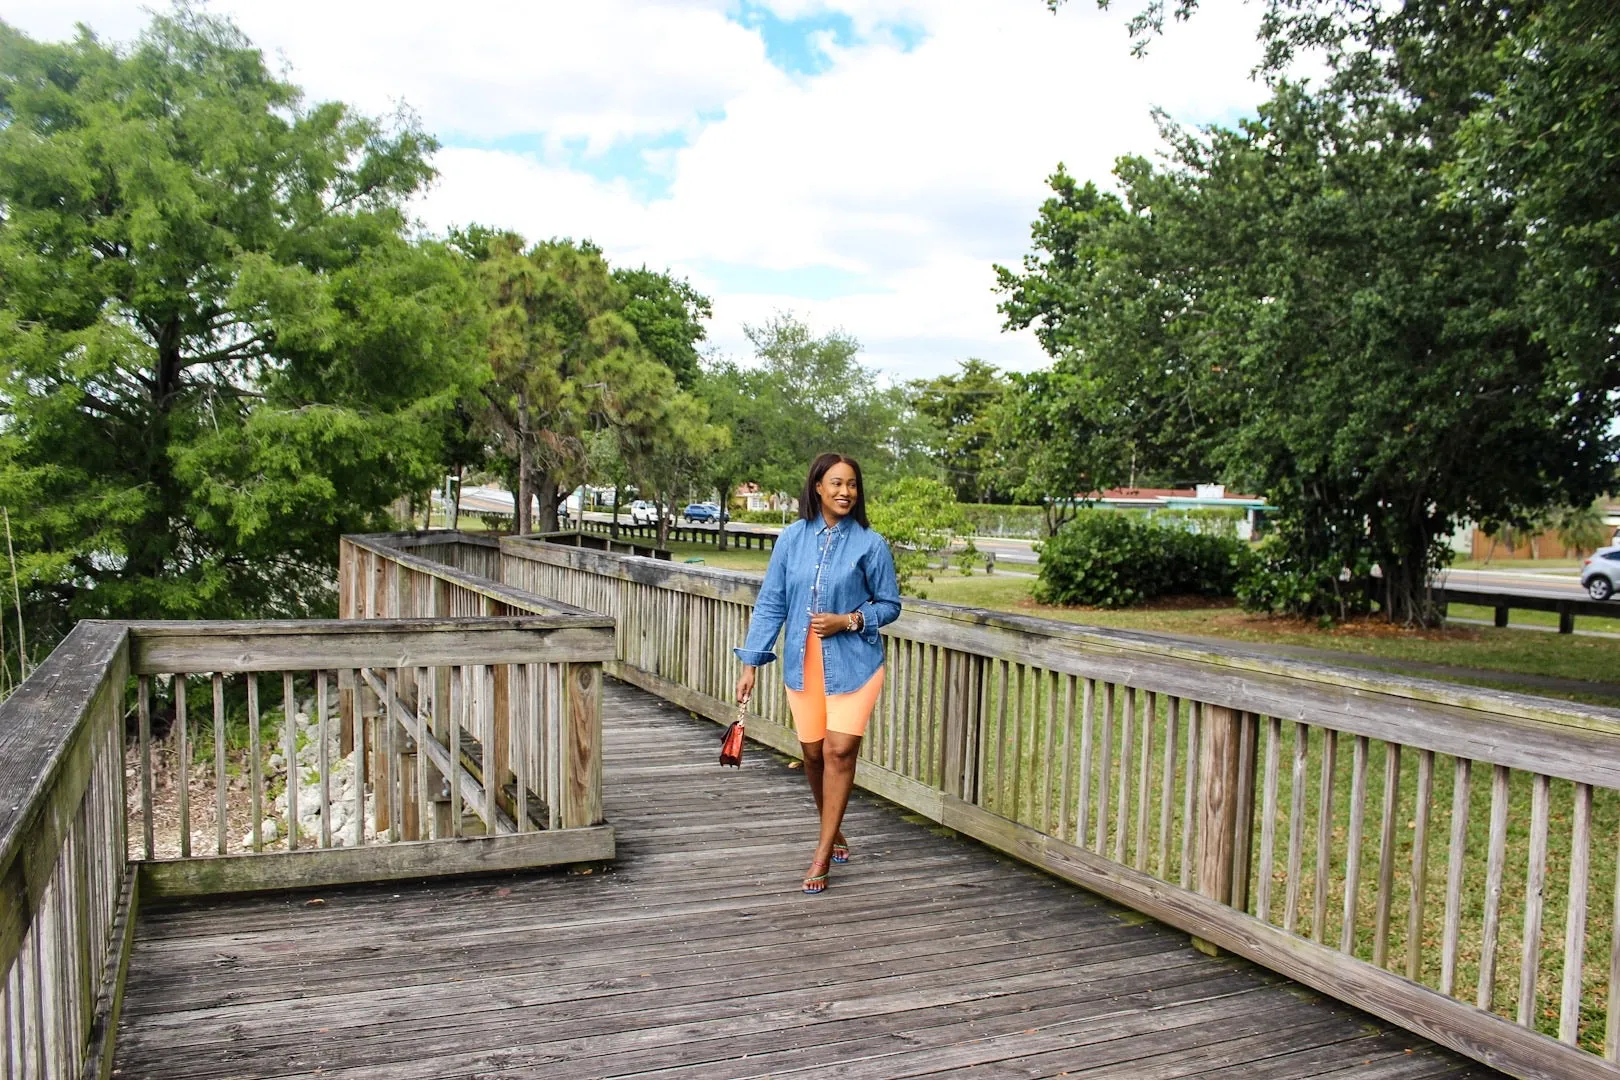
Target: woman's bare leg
814,769
837,769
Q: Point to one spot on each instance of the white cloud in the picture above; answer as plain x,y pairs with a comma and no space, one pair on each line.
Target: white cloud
910,172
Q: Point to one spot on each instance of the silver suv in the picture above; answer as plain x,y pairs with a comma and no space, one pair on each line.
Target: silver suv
1600,575
643,512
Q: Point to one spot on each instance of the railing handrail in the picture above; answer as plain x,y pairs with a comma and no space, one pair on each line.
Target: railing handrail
39,724
192,647
396,547
1566,739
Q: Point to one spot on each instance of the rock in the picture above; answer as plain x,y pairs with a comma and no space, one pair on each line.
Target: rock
269,833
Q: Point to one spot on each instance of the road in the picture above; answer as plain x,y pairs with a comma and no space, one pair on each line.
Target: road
1564,584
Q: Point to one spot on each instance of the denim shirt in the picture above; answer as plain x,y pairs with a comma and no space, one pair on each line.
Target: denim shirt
840,569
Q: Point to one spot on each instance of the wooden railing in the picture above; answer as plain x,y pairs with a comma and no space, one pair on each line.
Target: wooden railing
395,732
383,735
1441,856
66,888
742,539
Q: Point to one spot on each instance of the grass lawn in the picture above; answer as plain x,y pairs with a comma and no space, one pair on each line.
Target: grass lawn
730,559
1531,652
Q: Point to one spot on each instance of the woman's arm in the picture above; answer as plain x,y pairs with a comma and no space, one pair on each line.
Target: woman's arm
770,612
883,586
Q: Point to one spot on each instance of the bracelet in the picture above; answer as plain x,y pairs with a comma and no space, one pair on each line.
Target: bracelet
856,620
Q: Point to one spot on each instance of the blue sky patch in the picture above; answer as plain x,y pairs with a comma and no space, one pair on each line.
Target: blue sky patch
796,45
633,161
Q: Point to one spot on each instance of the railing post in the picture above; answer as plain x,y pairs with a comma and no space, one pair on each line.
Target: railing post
581,795
1219,758
346,552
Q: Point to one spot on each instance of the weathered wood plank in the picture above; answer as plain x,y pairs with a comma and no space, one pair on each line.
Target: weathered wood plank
302,645
279,870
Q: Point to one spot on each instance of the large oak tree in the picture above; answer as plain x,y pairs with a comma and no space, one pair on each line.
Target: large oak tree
219,347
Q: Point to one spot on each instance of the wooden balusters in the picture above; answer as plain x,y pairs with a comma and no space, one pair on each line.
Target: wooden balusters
1420,865
1535,885
1386,853
1454,872
1495,865
1580,842
1268,819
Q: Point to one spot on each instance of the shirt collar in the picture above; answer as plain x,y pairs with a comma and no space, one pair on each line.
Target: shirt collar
823,527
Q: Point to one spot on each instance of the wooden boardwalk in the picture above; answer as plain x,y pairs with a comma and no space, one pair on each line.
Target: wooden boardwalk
695,955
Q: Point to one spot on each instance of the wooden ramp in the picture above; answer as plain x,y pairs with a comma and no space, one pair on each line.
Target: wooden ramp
695,955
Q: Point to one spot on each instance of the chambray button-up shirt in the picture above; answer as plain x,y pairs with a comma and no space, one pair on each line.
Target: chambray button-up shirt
817,568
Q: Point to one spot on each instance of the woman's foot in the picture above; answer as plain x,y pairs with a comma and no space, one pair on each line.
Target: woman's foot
840,850
816,882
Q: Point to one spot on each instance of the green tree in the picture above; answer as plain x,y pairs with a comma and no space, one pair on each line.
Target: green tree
221,349
668,315
1341,335
1581,528
674,451
920,518
959,407
736,405
563,362
813,394
1050,447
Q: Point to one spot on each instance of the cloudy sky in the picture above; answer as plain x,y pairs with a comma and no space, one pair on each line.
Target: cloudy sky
861,163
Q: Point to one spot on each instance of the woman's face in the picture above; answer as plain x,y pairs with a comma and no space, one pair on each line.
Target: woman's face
838,491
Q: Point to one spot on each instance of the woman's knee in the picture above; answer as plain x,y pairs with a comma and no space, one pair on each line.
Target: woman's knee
812,752
842,750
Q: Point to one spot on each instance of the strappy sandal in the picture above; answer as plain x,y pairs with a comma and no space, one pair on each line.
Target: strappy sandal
816,883
840,852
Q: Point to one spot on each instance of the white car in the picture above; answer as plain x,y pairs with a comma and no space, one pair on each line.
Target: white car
643,512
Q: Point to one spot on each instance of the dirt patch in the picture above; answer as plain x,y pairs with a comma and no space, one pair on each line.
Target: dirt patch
203,806
1363,627
1161,603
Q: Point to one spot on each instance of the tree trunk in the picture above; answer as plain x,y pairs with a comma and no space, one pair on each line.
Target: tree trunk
613,526
545,489
525,492
455,507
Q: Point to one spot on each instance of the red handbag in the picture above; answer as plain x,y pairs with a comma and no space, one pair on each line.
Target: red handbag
731,744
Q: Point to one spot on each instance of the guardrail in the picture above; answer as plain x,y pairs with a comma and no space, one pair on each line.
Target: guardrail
1440,856
356,765
1503,601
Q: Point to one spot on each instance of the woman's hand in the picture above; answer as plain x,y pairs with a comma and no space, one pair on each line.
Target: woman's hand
825,625
745,685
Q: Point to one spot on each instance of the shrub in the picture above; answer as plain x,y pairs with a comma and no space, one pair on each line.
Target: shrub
1107,559
763,517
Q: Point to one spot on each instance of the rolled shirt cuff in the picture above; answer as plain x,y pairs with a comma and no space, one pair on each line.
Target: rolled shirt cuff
754,659
870,630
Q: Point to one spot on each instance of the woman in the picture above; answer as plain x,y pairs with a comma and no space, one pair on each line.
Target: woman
831,582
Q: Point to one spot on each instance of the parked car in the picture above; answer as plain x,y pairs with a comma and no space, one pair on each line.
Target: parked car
705,512
643,512
1600,575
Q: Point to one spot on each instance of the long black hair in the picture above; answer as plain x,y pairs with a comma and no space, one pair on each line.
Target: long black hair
810,502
